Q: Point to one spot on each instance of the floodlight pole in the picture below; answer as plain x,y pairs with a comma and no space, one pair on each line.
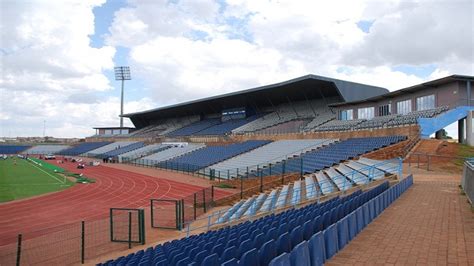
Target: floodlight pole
121,105
122,73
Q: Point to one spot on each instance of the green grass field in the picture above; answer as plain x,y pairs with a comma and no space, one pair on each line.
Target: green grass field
26,179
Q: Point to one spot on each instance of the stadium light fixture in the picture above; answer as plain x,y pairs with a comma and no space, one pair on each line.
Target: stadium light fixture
122,73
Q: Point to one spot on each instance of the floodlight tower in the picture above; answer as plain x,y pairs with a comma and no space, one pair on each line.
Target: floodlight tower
122,73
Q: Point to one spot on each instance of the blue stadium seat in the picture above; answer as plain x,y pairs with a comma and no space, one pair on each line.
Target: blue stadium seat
308,230
352,225
283,243
330,241
200,256
245,246
317,250
258,240
296,236
342,233
299,256
183,262
317,224
229,253
249,258
282,260
267,252
218,249
211,260
231,262
271,234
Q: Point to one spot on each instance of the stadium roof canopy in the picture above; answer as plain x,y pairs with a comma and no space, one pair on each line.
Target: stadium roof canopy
298,89
408,90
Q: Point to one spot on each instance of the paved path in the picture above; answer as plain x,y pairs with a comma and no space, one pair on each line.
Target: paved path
430,224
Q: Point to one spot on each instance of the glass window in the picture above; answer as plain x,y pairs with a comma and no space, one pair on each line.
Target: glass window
425,102
404,107
385,110
347,114
365,113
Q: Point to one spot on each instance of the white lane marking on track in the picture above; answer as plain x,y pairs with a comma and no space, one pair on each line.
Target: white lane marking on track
62,182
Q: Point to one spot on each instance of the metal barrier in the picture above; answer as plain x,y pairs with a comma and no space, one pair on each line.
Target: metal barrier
425,159
68,244
282,202
467,181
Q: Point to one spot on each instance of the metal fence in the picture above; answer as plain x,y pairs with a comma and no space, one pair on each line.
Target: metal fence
66,244
172,214
425,160
308,193
467,181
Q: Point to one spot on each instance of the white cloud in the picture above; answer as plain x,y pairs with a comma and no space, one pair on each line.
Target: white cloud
417,33
47,60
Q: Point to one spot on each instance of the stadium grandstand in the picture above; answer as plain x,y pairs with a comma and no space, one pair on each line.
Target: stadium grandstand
284,174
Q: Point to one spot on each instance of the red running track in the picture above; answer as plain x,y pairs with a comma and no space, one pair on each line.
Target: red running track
113,188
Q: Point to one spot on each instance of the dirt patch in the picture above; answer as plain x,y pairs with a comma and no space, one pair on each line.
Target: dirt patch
440,156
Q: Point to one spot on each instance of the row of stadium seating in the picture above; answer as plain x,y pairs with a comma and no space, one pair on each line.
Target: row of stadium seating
121,149
339,125
286,118
322,246
292,126
380,121
270,153
411,118
84,148
285,113
194,127
164,127
141,152
337,178
13,149
327,156
261,157
225,127
322,118
170,153
109,147
46,149
323,228
210,155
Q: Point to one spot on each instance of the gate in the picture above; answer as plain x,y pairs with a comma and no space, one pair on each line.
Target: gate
127,225
166,213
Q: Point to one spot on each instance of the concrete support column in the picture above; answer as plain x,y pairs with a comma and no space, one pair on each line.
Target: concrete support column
461,130
470,128
468,88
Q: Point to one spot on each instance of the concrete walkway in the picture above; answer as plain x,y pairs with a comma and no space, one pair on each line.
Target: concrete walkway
430,224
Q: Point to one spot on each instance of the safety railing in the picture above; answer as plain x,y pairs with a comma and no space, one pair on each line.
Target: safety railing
284,198
467,181
248,170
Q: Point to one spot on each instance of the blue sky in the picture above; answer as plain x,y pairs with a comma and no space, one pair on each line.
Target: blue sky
103,18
